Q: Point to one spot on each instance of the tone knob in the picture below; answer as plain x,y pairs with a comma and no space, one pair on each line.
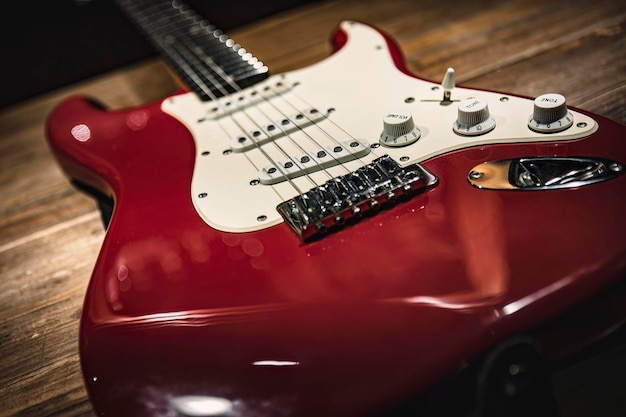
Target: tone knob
399,130
550,114
473,118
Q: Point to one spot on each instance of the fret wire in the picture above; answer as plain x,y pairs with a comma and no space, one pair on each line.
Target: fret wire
202,70
152,26
193,76
230,61
175,28
211,63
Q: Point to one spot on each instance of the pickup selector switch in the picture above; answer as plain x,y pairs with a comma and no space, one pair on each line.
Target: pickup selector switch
550,114
473,118
399,130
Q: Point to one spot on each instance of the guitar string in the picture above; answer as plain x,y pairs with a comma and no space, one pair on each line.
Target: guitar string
256,143
208,60
291,159
329,135
155,20
193,74
229,80
183,64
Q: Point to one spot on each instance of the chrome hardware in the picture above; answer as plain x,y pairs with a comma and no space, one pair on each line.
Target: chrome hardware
542,173
475,175
344,199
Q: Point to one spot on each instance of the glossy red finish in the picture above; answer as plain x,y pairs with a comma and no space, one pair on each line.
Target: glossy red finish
343,326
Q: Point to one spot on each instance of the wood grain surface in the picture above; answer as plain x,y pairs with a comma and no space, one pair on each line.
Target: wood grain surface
50,234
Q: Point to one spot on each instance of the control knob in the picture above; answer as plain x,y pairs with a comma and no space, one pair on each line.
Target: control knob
550,114
473,118
399,130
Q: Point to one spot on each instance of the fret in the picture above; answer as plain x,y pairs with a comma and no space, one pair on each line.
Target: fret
207,60
206,41
223,83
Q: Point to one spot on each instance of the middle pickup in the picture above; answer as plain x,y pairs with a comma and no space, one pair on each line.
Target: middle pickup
275,129
313,161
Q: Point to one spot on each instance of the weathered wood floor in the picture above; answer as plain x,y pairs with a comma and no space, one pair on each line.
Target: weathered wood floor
50,234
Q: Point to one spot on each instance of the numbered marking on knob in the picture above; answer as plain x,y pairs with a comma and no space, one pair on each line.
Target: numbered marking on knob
550,114
399,130
473,118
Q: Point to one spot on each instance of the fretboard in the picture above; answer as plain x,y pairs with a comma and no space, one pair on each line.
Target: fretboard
208,61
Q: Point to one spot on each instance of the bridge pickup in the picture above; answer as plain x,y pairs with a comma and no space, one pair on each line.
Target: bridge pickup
275,129
313,161
347,198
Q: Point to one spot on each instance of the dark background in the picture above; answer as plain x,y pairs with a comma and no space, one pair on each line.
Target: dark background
51,43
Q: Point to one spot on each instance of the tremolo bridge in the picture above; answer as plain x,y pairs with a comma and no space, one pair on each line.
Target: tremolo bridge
348,197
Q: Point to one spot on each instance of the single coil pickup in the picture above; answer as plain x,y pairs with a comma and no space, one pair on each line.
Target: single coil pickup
313,161
226,106
347,198
268,132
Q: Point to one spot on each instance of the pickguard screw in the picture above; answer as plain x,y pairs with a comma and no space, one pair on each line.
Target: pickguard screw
262,218
475,175
202,195
227,152
581,124
404,158
409,100
504,99
255,182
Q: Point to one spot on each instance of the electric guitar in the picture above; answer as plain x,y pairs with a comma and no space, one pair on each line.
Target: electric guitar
331,241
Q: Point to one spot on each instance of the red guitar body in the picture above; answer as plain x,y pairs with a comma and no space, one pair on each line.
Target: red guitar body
346,325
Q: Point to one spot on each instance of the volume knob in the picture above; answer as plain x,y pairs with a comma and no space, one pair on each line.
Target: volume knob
399,130
550,114
473,118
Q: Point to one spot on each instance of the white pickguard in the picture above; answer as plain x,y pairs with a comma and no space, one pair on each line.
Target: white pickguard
361,83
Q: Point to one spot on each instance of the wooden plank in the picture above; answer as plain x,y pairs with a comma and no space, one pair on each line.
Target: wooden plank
44,279
589,71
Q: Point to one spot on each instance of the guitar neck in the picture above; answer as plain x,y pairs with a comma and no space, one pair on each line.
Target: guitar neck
208,61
